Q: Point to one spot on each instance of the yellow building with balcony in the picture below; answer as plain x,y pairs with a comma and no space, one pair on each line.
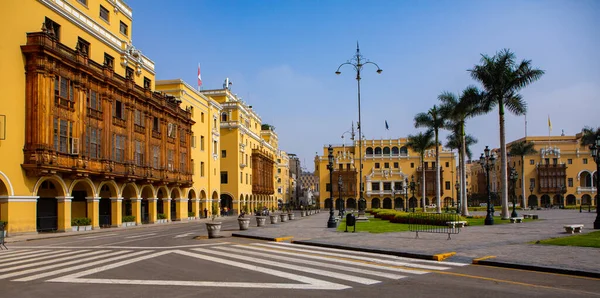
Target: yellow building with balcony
84,134
561,173
388,166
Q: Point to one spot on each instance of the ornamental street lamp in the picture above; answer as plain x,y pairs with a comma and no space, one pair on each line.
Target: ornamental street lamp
331,222
412,190
405,186
488,162
595,148
562,192
457,186
513,179
358,62
340,187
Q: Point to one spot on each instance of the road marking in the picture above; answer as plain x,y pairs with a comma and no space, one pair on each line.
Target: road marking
26,255
20,253
364,253
129,247
370,259
121,255
99,236
10,253
476,261
339,260
313,263
284,238
443,256
342,276
38,257
308,283
183,235
139,236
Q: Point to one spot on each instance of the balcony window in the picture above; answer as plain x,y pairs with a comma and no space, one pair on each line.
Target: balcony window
64,93
156,157
63,135
139,153
93,138
118,149
53,28
104,13
123,28
109,61
375,186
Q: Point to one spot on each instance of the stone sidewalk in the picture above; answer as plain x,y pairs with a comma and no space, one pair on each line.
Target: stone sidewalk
509,244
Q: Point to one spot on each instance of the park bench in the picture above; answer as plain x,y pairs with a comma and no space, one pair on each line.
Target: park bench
516,219
534,216
573,228
453,224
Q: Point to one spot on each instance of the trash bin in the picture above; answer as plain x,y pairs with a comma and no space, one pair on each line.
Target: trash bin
350,222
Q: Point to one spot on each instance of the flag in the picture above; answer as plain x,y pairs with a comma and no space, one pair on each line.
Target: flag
199,77
386,125
549,123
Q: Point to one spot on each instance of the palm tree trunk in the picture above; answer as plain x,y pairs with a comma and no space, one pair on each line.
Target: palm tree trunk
437,173
503,177
463,176
524,202
423,180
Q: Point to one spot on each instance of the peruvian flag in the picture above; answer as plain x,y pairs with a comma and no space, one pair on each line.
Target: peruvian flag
199,77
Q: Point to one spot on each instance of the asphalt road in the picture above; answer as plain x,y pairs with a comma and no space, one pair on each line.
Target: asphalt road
171,261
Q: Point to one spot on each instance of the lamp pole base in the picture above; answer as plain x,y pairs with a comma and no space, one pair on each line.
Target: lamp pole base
597,222
331,223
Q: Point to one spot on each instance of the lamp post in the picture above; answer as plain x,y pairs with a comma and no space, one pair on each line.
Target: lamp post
513,179
488,162
331,222
595,148
562,191
340,187
412,190
457,186
531,187
358,62
405,186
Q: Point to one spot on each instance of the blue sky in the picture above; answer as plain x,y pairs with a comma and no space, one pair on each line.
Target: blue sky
281,57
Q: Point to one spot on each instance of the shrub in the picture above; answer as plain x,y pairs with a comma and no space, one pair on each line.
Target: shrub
128,218
161,216
191,214
81,221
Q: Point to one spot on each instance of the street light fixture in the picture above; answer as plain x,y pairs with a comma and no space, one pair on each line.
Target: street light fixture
457,186
358,62
405,186
331,222
513,179
412,190
340,187
595,148
488,162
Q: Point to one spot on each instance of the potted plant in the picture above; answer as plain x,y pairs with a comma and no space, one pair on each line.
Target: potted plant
261,221
274,218
243,221
290,213
283,216
214,227
81,224
161,218
191,216
128,221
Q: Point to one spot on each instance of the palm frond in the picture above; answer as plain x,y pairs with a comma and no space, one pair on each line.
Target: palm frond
516,105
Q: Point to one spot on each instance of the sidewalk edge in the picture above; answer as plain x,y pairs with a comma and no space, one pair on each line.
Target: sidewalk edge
372,250
527,267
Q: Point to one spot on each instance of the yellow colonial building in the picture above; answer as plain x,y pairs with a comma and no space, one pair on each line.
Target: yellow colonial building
205,162
388,166
248,149
84,133
283,182
561,173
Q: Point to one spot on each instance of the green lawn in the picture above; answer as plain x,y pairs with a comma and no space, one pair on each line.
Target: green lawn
586,240
497,220
374,225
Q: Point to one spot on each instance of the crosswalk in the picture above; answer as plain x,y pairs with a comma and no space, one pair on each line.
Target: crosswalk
305,267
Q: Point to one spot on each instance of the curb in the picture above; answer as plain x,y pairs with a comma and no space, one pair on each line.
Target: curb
275,239
564,271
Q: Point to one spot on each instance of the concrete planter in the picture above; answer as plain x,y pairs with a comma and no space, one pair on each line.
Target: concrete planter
214,229
74,229
273,218
161,221
81,228
291,216
244,223
129,224
191,218
261,221
302,213
283,217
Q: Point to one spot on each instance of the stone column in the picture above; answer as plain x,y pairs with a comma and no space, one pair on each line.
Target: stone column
152,210
196,208
93,211
116,212
180,209
136,210
167,208
64,213
19,212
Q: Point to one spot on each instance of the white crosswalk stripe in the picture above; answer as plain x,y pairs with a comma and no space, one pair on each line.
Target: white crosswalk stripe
306,267
140,236
12,252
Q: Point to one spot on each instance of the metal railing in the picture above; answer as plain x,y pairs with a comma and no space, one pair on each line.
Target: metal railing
441,223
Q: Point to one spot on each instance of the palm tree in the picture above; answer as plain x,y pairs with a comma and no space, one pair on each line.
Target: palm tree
521,149
433,121
419,143
457,110
502,78
589,135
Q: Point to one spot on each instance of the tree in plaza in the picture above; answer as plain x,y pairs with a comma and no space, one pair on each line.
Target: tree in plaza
502,78
589,135
457,109
522,149
419,143
433,121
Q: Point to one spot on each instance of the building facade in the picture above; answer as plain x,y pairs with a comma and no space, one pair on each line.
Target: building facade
561,173
388,166
86,133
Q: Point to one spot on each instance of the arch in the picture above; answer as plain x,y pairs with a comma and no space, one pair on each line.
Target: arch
556,200
327,203
398,203
395,151
377,151
387,203
162,192
113,188
351,203
215,195
226,202
147,188
546,201
585,179
88,186
403,150
191,194
369,151
571,200
10,191
412,202
532,201
202,195
130,190
448,202
375,203
62,189
586,199
386,150
47,215
338,204
224,117
175,193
